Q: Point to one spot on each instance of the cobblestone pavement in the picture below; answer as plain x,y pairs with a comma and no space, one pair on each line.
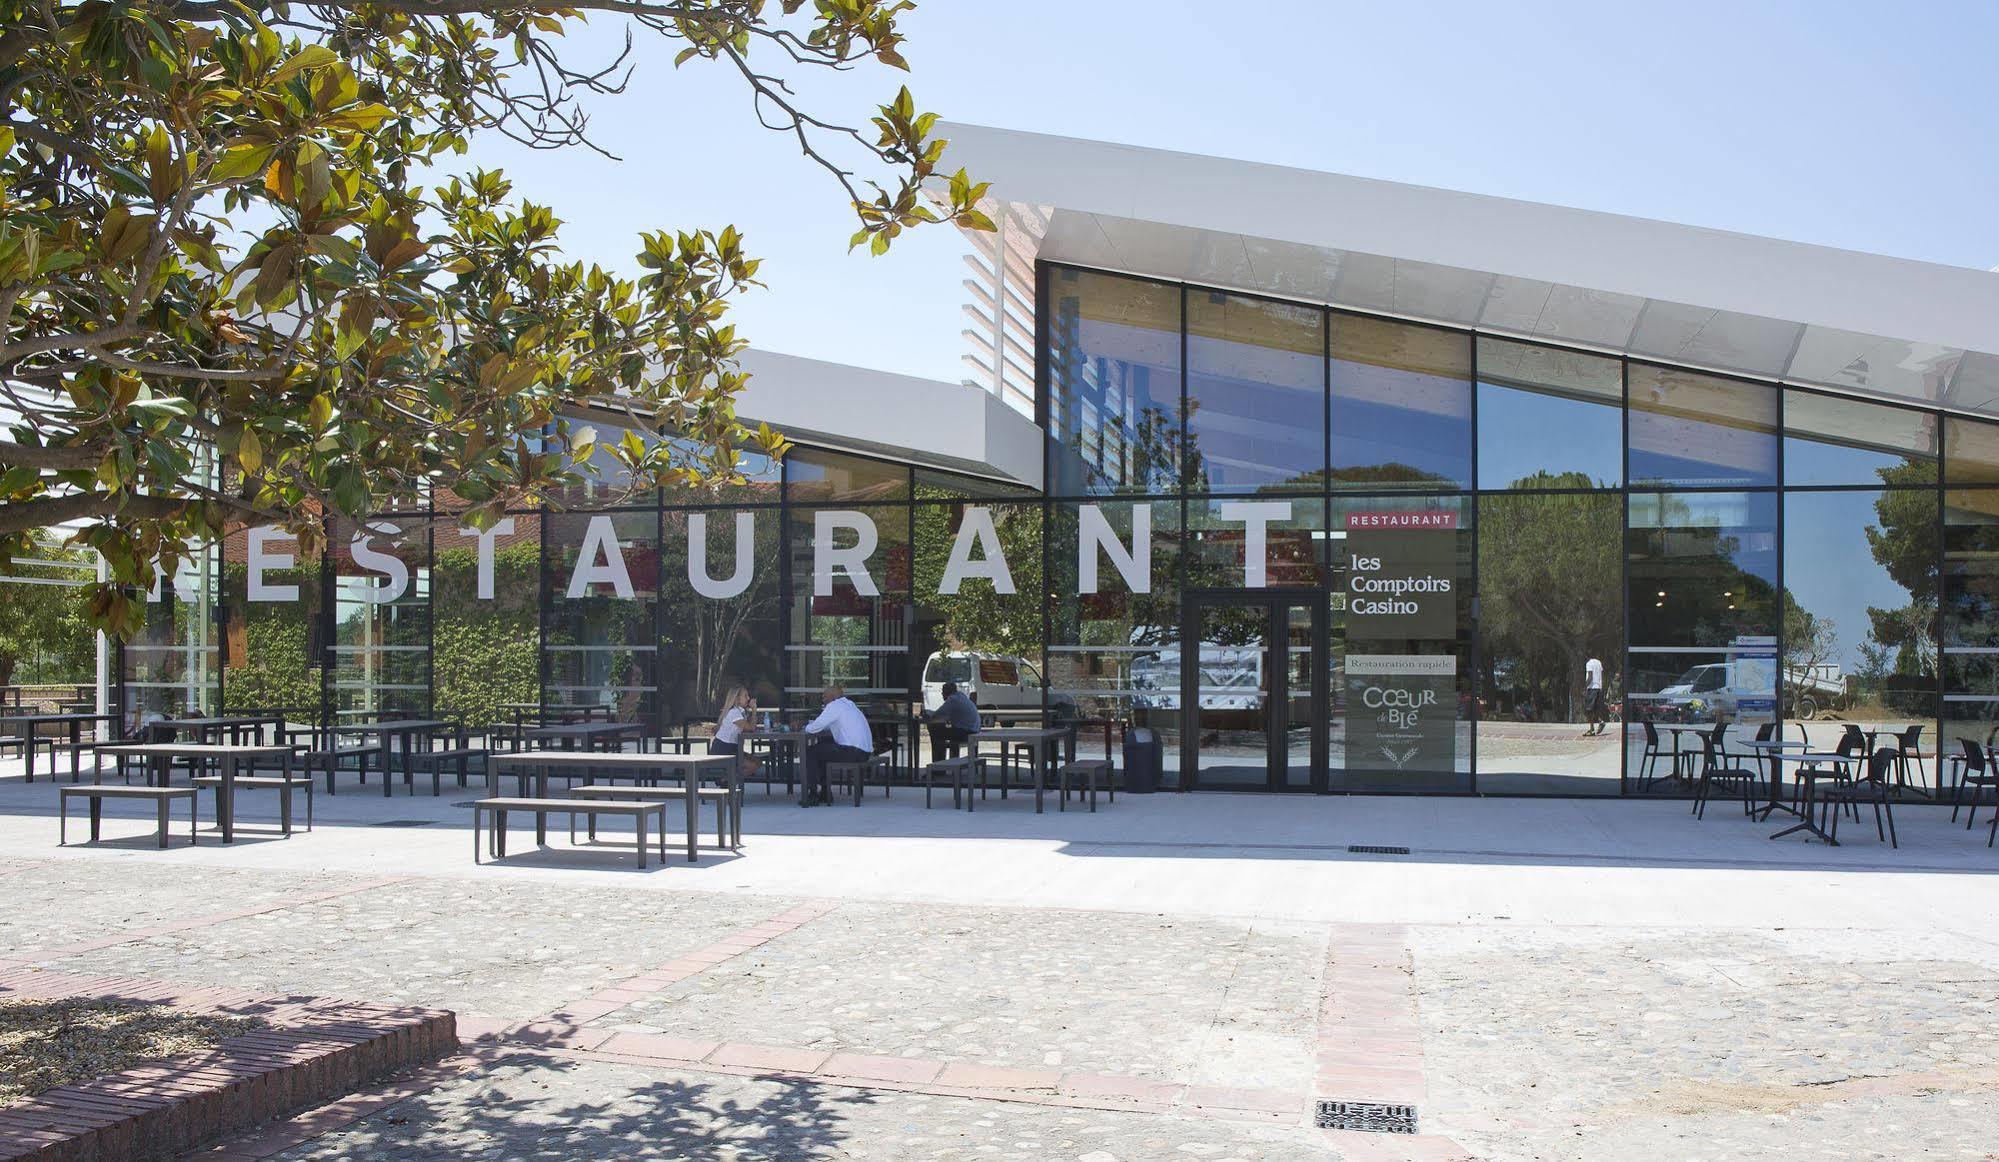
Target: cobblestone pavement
55,903
1605,1043
1207,1002
502,949
535,1108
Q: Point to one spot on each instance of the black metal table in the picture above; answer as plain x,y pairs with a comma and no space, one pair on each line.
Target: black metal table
28,723
1808,777
390,731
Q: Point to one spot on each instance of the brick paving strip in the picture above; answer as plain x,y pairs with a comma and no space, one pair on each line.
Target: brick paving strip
311,1049
171,927
1371,1043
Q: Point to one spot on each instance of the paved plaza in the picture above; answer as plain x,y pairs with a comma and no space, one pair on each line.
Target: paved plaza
1173,977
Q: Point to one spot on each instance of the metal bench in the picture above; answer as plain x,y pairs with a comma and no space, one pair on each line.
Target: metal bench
1091,772
98,792
963,772
541,809
854,776
458,756
283,784
727,823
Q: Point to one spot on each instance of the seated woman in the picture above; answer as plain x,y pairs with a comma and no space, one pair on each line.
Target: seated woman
735,714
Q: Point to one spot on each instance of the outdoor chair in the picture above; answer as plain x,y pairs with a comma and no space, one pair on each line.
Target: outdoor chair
1872,788
1713,774
1654,752
1909,754
1974,772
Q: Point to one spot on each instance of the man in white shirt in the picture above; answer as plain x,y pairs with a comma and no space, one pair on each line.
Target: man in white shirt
840,735
1593,695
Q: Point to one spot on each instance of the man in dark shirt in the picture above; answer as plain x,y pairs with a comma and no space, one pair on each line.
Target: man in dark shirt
957,719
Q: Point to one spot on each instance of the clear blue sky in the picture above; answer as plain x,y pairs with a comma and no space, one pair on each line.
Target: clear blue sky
1869,126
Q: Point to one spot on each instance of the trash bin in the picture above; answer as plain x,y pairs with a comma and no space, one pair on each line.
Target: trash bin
1142,761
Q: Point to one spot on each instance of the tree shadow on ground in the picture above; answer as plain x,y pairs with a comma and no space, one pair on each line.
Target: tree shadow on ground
513,1111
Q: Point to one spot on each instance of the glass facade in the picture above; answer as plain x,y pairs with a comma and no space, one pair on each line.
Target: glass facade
1309,549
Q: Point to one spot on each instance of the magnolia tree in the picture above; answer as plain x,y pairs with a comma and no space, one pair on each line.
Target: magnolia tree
239,283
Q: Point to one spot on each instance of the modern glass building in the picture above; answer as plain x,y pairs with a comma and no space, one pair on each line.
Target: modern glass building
1337,485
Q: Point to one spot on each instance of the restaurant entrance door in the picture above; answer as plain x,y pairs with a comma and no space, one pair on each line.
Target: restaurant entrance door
1253,691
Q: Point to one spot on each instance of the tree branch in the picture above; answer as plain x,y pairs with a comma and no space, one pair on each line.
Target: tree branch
46,459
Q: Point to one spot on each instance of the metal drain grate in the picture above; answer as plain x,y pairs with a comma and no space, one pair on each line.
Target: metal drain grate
404,823
1366,849
1370,1117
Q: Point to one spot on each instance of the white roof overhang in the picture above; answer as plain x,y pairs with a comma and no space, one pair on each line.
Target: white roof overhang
1861,323
952,426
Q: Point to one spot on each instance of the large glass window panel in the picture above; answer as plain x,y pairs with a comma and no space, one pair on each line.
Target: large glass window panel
1401,637
1700,431
1860,583
986,632
486,650
1971,451
1970,621
1548,418
1256,394
759,479
381,615
1702,594
172,666
1829,439
44,640
1115,652
604,481
847,636
273,651
1551,600
601,644
816,476
1113,383
1295,545
1401,405
713,643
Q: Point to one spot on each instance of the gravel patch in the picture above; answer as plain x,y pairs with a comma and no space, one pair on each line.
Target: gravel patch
1576,1044
47,1044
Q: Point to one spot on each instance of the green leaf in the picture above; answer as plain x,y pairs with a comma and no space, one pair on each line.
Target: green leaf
250,452
312,56
242,162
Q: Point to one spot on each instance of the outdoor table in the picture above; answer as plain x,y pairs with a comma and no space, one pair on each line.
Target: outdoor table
786,743
212,728
1040,738
1770,749
685,767
225,755
1809,774
392,729
28,723
541,713
590,734
1682,757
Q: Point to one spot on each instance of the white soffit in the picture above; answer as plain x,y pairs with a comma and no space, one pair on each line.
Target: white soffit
1864,323
954,426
